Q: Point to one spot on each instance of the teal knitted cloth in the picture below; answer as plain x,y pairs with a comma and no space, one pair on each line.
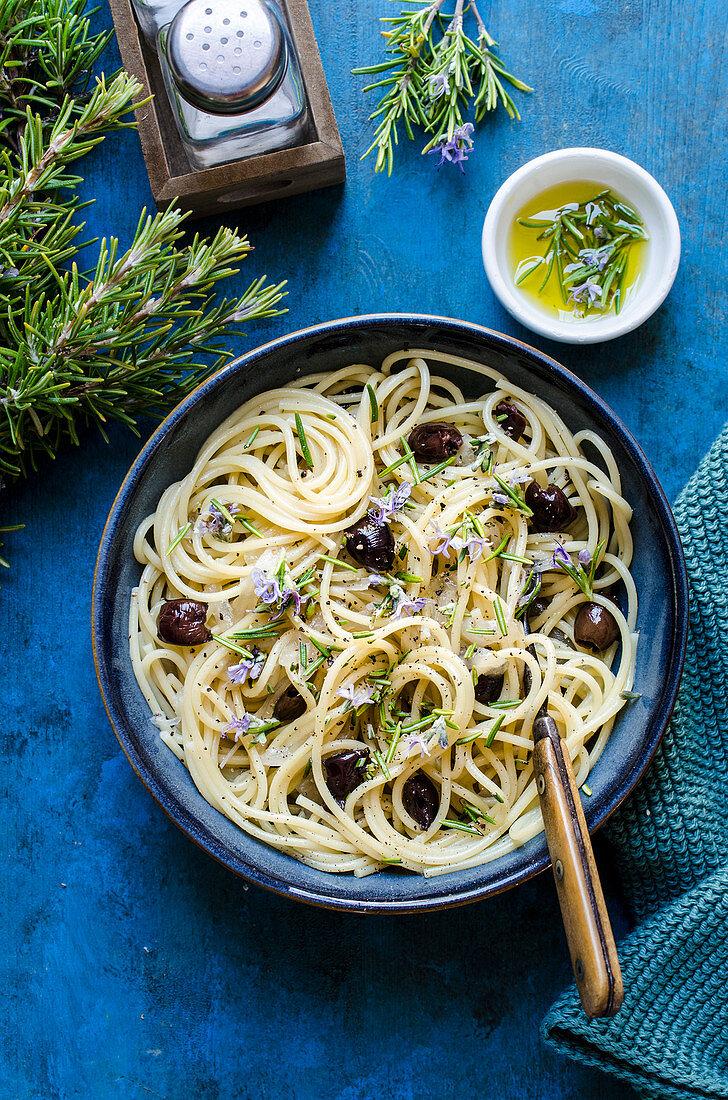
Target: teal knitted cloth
670,1040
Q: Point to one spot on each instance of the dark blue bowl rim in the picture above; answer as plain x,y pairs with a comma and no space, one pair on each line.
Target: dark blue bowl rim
186,821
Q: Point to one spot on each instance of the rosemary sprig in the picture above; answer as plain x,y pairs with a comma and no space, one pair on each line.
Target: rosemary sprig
584,579
303,441
131,335
253,632
500,617
438,469
373,406
587,243
381,763
449,824
515,494
434,72
226,641
177,539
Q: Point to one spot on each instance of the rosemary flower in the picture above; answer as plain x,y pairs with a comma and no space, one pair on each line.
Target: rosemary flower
240,726
456,149
445,539
439,84
249,667
356,697
590,292
279,591
266,588
402,605
387,507
417,742
474,544
212,521
439,729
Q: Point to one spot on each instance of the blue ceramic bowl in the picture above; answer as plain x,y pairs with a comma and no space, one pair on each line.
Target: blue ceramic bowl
658,569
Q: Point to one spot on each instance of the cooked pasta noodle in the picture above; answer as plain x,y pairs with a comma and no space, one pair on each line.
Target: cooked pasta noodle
393,759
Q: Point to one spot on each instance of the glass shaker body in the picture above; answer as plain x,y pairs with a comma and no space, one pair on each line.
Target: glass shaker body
152,15
233,79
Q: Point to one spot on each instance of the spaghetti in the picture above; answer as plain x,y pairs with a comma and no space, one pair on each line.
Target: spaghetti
330,625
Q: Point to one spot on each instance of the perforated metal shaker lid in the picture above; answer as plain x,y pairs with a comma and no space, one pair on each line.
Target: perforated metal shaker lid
227,56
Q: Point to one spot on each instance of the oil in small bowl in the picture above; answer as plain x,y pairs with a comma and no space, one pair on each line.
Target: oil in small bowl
577,250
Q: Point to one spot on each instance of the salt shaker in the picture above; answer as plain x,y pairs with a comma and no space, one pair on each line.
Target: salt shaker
233,79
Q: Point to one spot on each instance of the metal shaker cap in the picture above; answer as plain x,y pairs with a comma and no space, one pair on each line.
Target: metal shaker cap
227,56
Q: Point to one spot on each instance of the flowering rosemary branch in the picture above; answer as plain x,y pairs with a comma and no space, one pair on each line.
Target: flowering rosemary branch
142,327
433,74
587,248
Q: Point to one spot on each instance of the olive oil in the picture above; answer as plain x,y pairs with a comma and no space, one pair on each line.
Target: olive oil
577,250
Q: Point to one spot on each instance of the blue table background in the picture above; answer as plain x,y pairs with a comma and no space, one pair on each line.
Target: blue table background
135,967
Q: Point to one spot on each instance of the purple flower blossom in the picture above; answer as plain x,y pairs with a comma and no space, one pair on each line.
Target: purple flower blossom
249,666
356,696
445,539
501,498
416,741
388,506
560,557
240,725
475,545
584,557
212,521
518,476
266,588
589,292
401,605
439,84
439,729
595,257
455,151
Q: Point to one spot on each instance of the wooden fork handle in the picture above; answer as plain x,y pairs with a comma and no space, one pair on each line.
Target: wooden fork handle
584,912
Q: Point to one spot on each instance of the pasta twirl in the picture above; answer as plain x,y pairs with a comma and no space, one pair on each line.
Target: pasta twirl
358,697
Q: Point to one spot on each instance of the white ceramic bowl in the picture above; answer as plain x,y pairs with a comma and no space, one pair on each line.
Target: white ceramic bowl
633,184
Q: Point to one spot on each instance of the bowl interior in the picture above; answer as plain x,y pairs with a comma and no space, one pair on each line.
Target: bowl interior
633,184
658,570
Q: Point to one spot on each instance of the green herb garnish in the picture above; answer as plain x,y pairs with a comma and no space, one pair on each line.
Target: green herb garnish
515,494
303,441
175,541
438,469
341,564
587,249
500,617
373,403
448,824
223,640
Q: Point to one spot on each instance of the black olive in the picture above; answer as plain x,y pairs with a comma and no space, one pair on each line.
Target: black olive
595,627
291,704
434,442
511,419
488,687
537,607
345,771
371,543
420,799
550,507
182,622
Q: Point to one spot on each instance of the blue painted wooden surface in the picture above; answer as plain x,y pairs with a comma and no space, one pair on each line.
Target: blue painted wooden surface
134,966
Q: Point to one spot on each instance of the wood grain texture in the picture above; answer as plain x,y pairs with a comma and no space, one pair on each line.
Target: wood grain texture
589,933
134,967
